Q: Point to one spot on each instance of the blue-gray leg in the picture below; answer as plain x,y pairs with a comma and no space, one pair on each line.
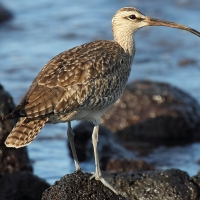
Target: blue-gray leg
70,135
97,175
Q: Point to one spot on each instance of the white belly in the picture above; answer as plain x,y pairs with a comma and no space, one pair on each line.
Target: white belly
92,115
89,115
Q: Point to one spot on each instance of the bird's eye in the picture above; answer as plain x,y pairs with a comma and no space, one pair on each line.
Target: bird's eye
132,17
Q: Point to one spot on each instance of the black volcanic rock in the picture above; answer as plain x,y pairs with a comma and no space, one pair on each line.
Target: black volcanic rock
21,185
157,185
170,184
153,110
79,186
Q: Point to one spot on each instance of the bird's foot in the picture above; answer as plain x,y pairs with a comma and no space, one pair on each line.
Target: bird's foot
100,178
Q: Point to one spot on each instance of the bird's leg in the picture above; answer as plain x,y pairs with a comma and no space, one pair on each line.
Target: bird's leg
97,174
70,135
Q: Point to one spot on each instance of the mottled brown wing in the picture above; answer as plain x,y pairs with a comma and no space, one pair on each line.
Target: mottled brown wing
67,81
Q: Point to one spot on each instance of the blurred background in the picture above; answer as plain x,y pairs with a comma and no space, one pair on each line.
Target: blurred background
41,29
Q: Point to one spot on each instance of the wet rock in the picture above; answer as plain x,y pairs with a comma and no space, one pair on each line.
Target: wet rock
11,159
4,14
109,146
21,186
169,184
79,186
150,110
128,165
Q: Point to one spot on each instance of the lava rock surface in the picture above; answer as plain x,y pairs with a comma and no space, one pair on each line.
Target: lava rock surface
153,110
79,186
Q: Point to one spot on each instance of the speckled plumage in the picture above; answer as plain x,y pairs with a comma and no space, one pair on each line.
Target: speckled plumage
82,83
86,78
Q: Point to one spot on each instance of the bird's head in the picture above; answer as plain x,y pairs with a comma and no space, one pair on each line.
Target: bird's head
128,20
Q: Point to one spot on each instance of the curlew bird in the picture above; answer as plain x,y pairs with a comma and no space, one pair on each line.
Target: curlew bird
82,83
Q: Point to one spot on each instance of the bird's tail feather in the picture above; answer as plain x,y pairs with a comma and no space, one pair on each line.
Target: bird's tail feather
24,132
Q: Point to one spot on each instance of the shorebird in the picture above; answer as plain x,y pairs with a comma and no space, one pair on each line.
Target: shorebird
82,83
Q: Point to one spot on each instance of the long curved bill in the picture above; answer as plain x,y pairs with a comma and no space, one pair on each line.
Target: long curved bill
157,22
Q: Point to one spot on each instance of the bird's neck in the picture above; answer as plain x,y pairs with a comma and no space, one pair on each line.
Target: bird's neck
125,40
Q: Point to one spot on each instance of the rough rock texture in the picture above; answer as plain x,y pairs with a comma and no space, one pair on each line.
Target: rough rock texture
196,181
21,186
11,159
157,185
4,14
79,186
153,110
170,184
